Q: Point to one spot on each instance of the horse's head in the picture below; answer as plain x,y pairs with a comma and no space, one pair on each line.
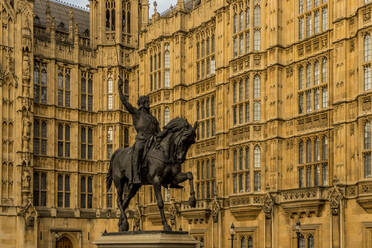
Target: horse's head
183,140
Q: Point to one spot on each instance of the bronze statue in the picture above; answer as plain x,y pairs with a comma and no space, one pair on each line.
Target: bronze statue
155,159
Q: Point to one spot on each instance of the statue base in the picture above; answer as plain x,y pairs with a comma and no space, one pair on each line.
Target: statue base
146,239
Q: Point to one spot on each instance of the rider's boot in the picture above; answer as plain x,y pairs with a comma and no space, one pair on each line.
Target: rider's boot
136,174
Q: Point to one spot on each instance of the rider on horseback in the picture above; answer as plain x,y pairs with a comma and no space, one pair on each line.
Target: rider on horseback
146,126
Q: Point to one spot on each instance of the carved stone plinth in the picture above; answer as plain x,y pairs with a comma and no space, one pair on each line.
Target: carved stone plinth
146,239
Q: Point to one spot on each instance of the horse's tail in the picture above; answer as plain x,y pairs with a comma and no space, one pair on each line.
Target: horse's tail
109,173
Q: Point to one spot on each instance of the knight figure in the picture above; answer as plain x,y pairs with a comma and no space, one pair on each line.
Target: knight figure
146,125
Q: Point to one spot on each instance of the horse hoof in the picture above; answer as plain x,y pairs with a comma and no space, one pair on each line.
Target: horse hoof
167,228
192,201
123,226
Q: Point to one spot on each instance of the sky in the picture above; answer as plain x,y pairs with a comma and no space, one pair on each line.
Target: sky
162,4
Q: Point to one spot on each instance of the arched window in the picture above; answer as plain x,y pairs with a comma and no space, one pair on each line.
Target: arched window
324,18
241,90
367,136
166,66
308,4
246,88
36,82
43,83
301,241
235,22
367,77
308,151
234,92
113,19
300,77
301,27
241,24
367,48
247,158
109,92
247,18
166,115
301,6
301,152
324,70
123,23
316,72
308,75
110,15
109,141
235,162
256,111
257,40
257,16
316,22
310,241
250,242
242,242
107,18
241,159
128,21
60,87
257,157
126,137
257,87
325,148
367,165
317,149
44,138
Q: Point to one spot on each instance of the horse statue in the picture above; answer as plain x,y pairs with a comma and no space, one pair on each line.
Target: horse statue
155,170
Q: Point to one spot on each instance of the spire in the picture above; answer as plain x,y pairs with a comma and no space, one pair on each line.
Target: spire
53,29
47,10
48,17
180,4
156,15
76,34
71,24
145,13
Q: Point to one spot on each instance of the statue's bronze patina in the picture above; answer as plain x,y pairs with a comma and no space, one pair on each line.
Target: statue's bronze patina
155,158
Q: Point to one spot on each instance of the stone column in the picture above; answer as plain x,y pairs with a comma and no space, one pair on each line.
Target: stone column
268,210
335,199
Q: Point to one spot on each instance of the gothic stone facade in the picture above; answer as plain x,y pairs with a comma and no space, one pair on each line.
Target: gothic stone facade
281,90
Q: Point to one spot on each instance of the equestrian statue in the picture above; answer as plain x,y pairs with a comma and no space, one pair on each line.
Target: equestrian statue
154,159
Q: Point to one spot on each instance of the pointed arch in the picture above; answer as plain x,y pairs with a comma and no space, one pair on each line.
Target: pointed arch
257,156
257,86
367,135
367,47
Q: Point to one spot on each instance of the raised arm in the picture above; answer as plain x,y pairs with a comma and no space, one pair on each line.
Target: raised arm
124,99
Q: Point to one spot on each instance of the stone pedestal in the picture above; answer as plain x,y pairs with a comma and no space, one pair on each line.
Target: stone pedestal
146,239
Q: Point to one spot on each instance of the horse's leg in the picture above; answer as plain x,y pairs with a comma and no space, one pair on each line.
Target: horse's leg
181,177
124,204
133,188
159,199
120,188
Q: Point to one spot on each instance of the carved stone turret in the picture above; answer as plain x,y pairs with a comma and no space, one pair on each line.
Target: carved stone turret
71,26
180,5
156,14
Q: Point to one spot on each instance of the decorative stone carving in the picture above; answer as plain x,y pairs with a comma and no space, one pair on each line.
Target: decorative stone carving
335,197
26,179
216,208
26,133
29,214
26,67
268,205
174,212
367,14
